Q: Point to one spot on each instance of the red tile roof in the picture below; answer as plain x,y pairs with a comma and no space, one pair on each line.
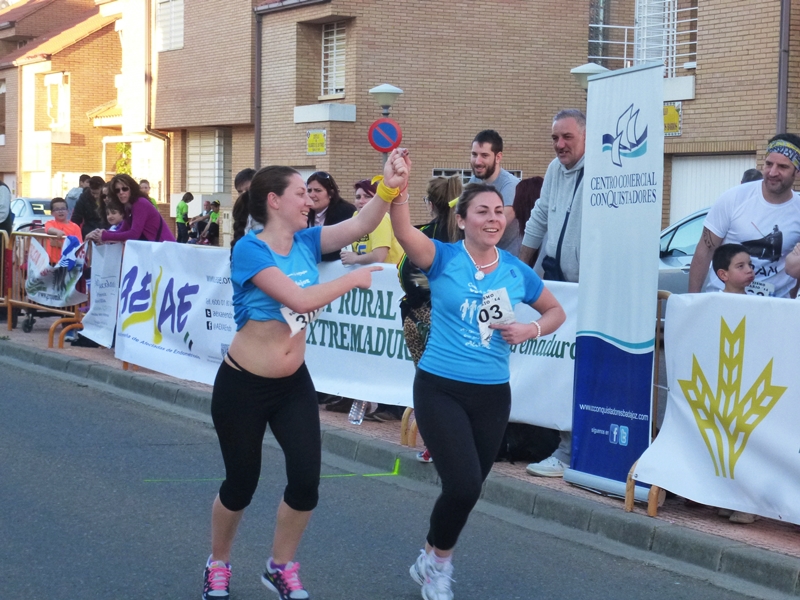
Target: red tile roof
43,47
20,10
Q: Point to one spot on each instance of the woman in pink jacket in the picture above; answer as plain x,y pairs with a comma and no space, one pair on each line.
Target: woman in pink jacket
142,219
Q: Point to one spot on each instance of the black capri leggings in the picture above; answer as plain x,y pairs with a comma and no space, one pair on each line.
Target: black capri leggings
463,426
241,406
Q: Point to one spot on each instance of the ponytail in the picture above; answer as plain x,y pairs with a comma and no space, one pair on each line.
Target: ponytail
240,214
454,190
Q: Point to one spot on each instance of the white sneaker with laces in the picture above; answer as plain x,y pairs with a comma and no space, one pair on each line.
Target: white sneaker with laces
438,581
419,570
549,467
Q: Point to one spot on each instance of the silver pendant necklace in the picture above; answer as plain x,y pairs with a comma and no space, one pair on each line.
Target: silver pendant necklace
479,274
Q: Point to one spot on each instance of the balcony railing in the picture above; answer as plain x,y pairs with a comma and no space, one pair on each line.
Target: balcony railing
669,35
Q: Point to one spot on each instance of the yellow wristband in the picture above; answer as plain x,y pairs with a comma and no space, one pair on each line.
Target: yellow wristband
386,193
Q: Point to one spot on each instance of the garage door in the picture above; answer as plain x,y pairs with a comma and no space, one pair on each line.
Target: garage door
699,180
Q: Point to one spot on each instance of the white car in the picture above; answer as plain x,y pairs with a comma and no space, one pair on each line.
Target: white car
30,213
678,242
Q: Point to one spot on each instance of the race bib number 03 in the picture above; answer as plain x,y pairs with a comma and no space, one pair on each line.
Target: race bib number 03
495,309
298,321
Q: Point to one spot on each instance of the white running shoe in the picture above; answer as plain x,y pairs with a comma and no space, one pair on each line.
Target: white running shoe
438,581
549,467
419,570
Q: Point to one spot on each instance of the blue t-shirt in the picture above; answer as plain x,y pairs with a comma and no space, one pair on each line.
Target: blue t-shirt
454,348
251,256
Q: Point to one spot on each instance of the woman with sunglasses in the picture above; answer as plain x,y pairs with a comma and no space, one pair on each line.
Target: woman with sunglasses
462,397
329,206
263,378
142,219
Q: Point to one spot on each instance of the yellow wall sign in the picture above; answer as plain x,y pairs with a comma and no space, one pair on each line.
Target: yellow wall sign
316,142
672,119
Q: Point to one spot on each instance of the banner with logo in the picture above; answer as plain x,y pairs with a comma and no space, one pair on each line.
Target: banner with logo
55,285
175,316
100,321
175,309
729,437
356,349
621,223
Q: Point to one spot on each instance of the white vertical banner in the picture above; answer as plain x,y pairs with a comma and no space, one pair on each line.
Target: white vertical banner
100,321
729,437
620,229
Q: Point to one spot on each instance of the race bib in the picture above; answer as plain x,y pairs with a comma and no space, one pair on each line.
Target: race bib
298,321
495,309
760,288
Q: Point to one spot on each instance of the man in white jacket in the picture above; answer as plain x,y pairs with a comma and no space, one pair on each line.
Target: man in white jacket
557,214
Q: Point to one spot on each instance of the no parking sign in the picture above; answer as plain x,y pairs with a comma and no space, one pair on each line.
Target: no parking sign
385,135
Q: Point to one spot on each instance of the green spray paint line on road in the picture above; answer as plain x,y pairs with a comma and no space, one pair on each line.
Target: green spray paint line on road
395,471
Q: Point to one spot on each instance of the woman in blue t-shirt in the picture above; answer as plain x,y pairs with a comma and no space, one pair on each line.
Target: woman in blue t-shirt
263,378
462,398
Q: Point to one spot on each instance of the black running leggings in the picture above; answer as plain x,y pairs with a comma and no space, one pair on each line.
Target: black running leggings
463,426
241,406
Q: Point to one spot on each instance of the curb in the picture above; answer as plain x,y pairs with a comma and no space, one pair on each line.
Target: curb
769,569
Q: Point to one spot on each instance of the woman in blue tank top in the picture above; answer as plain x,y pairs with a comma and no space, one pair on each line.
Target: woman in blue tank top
263,379
462,398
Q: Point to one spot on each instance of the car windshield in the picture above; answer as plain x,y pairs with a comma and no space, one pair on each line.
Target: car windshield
683,241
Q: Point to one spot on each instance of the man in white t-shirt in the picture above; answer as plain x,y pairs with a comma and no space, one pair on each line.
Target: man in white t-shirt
763,216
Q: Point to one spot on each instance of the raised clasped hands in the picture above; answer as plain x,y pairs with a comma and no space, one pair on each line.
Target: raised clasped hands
397,169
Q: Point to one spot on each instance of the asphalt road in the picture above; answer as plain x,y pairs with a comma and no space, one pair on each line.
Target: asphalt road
105,498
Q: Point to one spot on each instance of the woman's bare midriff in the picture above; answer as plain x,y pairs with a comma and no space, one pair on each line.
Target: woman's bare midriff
264,348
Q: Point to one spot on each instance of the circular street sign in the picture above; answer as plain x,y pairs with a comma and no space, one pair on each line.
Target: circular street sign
385,135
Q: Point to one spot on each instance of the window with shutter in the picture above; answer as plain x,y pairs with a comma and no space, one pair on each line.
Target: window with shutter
208,161
169,25
333,58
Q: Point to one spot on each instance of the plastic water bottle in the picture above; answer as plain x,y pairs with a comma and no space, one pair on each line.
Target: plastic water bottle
357,411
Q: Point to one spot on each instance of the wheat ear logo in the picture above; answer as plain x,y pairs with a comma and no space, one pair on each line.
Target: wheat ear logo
726,420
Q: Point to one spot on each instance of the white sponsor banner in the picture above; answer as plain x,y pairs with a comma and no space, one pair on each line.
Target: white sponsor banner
356,349
55,285
729,437
99,322
175,309
542,371
176,316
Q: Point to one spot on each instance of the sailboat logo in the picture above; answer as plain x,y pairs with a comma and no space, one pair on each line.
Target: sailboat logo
627,142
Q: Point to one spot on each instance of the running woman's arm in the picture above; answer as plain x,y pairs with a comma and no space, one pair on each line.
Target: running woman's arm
552,316
418,247
395,175
273,282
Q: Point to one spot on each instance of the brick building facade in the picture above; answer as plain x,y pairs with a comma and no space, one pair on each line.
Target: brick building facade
494,65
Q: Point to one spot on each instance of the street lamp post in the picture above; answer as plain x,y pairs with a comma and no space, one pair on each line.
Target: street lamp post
583,72
385,95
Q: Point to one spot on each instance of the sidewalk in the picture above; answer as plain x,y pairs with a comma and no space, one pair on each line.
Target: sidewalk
766,552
